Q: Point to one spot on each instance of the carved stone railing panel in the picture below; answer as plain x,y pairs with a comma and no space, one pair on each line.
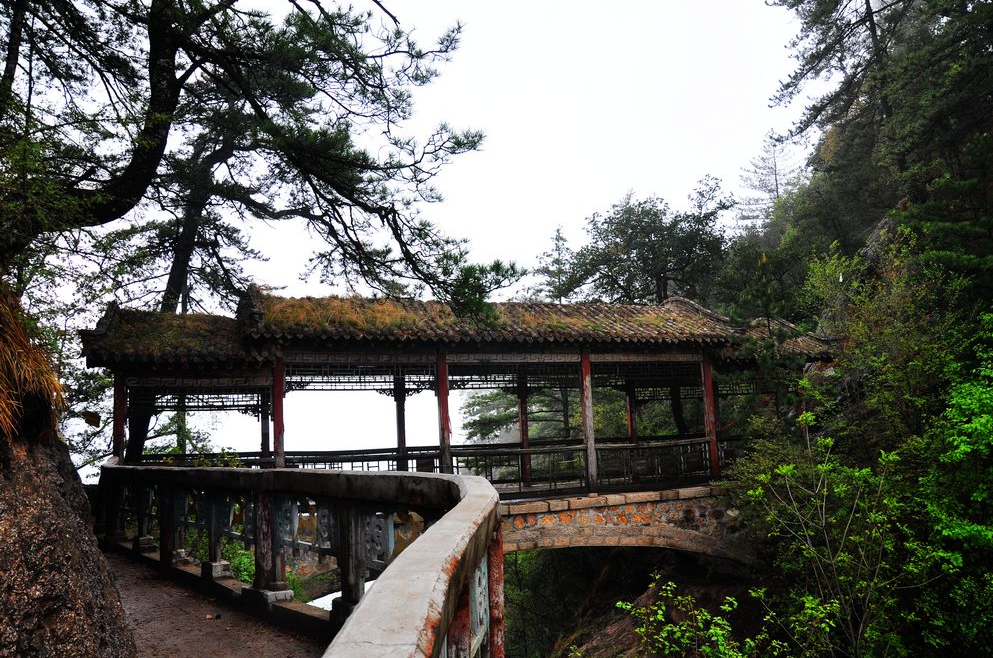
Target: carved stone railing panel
247,534
287,524
479,608
328,536
378,540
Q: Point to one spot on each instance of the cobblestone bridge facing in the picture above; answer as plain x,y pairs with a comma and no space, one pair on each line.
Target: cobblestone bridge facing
691,519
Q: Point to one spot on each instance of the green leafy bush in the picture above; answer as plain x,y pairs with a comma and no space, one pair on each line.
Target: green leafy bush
674,625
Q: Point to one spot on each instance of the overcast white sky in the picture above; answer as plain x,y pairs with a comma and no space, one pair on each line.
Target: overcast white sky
580,102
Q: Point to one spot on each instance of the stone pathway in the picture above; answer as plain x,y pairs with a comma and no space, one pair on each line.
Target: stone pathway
170,621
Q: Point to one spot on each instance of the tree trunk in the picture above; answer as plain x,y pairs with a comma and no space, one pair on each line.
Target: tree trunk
57,596
177,285
16,32
564,392
678,417
877,58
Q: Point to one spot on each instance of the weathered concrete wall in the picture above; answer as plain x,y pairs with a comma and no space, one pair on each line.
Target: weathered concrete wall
693,519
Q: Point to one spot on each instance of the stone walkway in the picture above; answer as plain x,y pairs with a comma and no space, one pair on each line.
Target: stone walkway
170,621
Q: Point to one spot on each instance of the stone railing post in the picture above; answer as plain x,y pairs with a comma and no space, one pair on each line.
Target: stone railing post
141,499
215,567
167,526
113,513
351,563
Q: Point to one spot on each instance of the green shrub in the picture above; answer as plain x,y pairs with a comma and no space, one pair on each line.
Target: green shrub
675,625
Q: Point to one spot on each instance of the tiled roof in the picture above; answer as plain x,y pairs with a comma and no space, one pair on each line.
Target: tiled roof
362,319
264,321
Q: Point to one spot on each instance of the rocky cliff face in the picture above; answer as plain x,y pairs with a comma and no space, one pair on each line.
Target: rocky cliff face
57,596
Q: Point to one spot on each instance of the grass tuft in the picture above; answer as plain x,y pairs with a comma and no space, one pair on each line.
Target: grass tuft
25,370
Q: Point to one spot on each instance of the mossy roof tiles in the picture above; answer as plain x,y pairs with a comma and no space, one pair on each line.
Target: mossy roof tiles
264,321
128,335
362,319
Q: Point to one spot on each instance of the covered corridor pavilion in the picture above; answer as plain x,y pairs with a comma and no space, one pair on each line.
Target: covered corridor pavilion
274,345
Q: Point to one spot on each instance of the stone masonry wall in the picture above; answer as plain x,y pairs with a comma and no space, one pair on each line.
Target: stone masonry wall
692,519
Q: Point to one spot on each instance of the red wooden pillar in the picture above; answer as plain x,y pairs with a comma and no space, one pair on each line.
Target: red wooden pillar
495,586
710,414
400,398
631,407
120,415
522,419
444,419
586,403
278,391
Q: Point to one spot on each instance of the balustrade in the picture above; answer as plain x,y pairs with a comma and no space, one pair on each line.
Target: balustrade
352,517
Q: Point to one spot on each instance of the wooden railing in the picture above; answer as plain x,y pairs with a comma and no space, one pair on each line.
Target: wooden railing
546,467
441,594
517,472
422,459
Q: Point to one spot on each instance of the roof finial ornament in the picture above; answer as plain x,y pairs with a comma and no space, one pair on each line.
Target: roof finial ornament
251,314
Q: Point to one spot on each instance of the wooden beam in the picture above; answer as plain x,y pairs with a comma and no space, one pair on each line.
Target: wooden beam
120,415
278,391
522,420
444,419
400,399
586,402
710,414
645,357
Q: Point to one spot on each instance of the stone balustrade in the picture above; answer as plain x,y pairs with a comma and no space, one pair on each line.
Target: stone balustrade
440,596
